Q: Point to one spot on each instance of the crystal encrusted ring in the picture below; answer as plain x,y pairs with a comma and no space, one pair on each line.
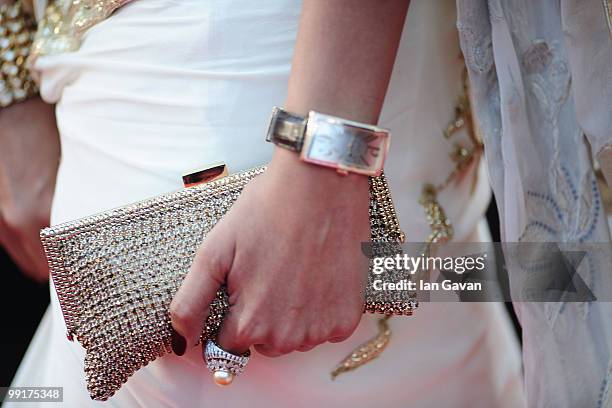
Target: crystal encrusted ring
224,365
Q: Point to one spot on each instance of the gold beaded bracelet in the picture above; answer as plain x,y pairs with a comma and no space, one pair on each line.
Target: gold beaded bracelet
17,31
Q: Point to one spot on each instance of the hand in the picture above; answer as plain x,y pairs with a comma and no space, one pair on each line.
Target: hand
29,157
289,250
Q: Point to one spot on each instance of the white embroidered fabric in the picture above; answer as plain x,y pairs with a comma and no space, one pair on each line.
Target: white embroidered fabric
542,78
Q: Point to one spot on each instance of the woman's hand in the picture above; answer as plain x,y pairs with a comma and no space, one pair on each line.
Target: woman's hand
290,246
289,250
29,157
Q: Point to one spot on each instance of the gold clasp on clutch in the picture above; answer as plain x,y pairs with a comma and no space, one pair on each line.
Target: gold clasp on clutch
205,175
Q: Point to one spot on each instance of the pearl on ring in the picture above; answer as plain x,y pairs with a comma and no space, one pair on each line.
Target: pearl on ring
224,365
223,377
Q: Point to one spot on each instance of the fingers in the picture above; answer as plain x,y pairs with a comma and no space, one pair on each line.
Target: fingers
189,307
272,339
279,349
238,332
268,334
271,334
266,350
345,328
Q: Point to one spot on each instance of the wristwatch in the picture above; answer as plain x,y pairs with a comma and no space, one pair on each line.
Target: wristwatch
347,146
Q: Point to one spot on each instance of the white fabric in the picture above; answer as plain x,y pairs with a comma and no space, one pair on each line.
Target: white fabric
164,86
542,78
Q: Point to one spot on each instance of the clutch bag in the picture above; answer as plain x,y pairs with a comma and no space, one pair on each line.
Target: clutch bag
115,273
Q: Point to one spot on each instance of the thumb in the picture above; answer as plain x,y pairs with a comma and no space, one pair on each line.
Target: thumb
189,307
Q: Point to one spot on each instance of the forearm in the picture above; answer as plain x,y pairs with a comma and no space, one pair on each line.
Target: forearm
342,64
29,157
27,130
344,56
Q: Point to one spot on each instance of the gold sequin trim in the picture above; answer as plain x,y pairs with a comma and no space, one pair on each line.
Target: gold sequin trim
16,34
608,13
464,157
367,351
65,22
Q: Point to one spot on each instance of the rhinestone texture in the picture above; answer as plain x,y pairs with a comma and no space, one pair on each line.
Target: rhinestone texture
16,36
218,359
115,273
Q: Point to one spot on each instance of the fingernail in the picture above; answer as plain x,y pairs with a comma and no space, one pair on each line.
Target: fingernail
179,344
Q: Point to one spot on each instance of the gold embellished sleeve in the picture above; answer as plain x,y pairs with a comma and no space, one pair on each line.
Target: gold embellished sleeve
17,28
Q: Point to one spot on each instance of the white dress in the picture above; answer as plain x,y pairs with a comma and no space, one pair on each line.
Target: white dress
164,86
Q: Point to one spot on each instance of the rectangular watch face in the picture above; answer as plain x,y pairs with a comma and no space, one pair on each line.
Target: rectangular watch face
345,145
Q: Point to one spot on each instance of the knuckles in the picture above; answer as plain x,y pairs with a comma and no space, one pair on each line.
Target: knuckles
282,347
285,342
347,326
277,341
299,331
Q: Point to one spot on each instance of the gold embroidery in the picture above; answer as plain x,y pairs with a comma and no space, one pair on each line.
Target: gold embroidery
608,10
441,227
465,158
16,33
366,352
65,21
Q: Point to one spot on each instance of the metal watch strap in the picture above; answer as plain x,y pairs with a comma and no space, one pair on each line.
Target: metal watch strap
287,130
330,141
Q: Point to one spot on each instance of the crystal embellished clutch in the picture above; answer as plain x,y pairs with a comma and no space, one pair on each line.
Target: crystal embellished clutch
115,273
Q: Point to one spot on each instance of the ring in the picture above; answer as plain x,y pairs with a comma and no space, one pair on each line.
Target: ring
224,365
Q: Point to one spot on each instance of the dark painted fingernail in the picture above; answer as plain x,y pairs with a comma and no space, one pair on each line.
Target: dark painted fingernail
179,344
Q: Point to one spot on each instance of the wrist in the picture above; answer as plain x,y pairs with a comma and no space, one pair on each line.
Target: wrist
329,141
287,166
360,109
